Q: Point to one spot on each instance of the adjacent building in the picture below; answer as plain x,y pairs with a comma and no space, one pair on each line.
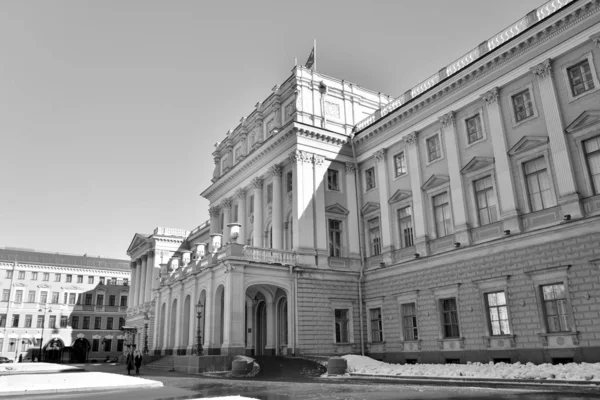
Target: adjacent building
71,308
458,222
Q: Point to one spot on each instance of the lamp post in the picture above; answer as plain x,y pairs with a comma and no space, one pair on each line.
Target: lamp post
146,322
45,309
199,330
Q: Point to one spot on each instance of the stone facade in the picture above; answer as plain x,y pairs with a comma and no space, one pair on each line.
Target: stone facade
457,222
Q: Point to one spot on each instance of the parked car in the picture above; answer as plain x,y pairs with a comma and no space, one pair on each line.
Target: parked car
4,360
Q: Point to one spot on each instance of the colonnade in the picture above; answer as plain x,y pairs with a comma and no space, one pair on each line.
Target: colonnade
144,277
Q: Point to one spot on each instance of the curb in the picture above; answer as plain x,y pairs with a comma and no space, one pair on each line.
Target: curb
41,372
82,389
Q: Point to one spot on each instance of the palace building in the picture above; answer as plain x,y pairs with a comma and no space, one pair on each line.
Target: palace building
458,222
68,308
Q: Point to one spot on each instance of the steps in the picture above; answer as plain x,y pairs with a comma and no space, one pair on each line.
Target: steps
165,363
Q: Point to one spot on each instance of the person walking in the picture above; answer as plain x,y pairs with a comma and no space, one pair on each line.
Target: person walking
138,362
129,363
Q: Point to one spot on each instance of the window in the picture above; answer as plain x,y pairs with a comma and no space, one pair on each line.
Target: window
335,238
75,322
52,322
56,277
95,344
100,300
88,299
101,279
69,278
449,318
400,164
537,180
111,300
78,299
522,105
486,201
341,326
443,221
98,323
406,227
5,294
123,301
374,236
109,323
580,78
9,274
376,325
79,278
43,297
474,128
121,323
66,296
2,321
46,276
120,343
498,312
28,320
15,321
269,193
90,280
63,321
34,276
55,297
125,282
434,148
72,297
370,178
86,322
21,275
19,296
107,345
333,179
555,308
591,149
409,321
31,296
40,321
289,182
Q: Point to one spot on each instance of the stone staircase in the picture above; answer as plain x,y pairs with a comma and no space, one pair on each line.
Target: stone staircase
165,363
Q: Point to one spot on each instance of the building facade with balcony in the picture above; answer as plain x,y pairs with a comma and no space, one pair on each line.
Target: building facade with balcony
70,307
457,222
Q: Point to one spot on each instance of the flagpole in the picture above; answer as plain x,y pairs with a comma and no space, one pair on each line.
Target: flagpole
315,54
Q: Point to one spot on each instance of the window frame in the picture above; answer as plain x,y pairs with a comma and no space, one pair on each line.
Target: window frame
395,164
593,189
589,57
444,293
512,94
477,112
374,180
433,196
494,285
340,304
379,328
341,236
370,305
401,236
409,298
426,139
371,247
527,193
337,174
520,159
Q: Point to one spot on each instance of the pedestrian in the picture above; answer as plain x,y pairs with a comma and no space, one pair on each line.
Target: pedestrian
20,357
129,363
138,362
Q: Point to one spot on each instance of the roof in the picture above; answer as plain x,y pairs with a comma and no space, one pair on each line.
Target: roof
28,256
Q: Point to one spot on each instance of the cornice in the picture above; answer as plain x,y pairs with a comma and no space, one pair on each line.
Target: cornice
63,269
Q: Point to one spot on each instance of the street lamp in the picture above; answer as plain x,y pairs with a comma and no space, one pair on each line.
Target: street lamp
199,330
45,309
146,322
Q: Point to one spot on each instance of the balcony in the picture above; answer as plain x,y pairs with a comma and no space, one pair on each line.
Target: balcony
269,256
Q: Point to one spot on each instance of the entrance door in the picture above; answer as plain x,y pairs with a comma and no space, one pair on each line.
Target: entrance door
80,350
261,328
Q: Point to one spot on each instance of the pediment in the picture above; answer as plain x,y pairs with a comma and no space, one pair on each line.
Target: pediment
477,163
527,143
400,195
71,287
19,284
587,118
138,239
369,208
336,209
44,286
435,181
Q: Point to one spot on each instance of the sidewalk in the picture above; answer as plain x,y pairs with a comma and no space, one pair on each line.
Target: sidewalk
35,368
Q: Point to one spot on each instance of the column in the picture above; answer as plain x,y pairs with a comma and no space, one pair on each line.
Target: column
568,198
178,324
416,181
193,320
214,219
257,228
241,195
504,179
303,231
226,219
353,215
149,276
271,328
277,208
140,289
250,325
457,194
143,273
167,326
385,220
235,307
320,166
133,288
209,344
155,322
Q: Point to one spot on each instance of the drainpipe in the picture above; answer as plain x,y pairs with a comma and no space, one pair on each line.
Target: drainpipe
360,246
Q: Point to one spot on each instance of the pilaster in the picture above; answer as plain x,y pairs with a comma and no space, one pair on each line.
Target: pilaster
235,307
277,208
303,229
149,276
320,165
214,219
257,228
352,221
226,219
250,332
386,221
416,181
271,331
241,195
134,286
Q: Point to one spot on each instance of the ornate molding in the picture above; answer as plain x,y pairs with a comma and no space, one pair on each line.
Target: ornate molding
257,183
596,39
380,154
542,70
350,168
448,119
240,193
214,211
275,170
226,203
300,156
412,138
318,160
490,97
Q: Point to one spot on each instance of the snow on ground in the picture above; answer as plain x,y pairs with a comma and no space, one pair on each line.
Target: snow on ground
569,372
19,368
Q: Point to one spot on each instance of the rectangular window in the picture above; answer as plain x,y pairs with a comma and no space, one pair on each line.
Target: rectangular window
5,294
112,300
21,275
555,308
121,323
79,278
592,159
474,128
269,193
9,274
66,296
539,189
123,301
434,148
109,323
333,179
498,312
31,296
107,345
522,105
486,201
43,297
86,322
580,78
341,326
100,300
376,325
69,278
46,276
56,277
55,297
52,322
400,164
90,280
98,323
443,221
2,321
335,238
370,178
75,322
40,321
28,320
88,299
15,321
375,236
120,343
34,276
19,296
450,318
409,321
72,297
63,321
95,344
289,182
406,227
101,279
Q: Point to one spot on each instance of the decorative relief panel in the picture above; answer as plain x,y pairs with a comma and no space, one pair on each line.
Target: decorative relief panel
289,110
332,110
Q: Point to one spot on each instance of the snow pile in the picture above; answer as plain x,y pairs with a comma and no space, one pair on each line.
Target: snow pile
568,372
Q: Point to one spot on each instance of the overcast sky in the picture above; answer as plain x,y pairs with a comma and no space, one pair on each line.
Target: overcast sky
109,109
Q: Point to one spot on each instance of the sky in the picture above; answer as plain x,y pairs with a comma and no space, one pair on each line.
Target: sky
109,109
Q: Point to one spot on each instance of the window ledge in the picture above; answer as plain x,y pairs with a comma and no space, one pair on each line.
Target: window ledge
500,342
410,345
559,339
451,344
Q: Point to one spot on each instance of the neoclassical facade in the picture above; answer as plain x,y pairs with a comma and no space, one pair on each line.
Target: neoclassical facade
457,222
